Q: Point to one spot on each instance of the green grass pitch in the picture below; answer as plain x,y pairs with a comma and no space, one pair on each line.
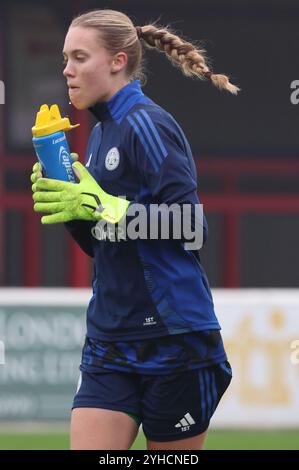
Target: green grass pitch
252,440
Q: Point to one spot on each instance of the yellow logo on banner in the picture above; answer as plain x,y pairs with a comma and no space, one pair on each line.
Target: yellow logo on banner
267,357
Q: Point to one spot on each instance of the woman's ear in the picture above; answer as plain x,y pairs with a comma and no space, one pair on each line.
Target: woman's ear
119,62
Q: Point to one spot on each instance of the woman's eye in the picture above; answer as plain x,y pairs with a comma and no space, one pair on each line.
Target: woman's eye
76,58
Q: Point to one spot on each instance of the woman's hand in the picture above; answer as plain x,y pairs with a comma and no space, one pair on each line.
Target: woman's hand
37,170
85,200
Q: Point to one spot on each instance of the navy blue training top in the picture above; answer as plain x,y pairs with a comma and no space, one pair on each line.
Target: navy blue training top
143,288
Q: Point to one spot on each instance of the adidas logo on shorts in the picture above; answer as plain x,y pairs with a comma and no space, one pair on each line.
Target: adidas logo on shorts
185,422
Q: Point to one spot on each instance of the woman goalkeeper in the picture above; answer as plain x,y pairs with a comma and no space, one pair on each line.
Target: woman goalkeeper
153,352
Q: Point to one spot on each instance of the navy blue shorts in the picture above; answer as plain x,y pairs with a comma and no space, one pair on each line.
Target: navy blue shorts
170,407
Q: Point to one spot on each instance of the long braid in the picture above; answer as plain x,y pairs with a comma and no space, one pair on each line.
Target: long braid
118,33
189,58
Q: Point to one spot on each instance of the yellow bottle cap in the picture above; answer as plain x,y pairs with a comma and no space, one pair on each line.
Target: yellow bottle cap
49,121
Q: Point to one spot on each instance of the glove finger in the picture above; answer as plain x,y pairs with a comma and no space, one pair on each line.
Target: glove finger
35,176
80,171
58,218
37,167
75,156
48,208
52,185
47,196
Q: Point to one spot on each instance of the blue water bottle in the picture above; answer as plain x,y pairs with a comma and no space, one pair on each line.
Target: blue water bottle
51,145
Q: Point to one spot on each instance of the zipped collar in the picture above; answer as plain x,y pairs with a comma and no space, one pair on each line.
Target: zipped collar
119,104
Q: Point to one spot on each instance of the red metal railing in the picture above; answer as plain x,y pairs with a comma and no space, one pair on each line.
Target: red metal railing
230,203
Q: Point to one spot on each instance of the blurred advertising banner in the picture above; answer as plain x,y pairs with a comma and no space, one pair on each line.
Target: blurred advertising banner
42,333
260,329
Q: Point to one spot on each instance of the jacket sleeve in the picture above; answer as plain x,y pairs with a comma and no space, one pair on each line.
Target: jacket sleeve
80,230
158,148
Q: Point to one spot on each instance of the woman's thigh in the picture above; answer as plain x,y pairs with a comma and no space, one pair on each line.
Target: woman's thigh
101,429
103,410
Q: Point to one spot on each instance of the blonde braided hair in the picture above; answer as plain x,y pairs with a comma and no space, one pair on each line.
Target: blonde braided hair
118,33
183,54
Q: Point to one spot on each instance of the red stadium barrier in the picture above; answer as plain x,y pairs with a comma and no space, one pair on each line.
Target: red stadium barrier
230,203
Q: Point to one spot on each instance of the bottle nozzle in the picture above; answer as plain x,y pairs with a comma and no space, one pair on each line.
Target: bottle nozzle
48,121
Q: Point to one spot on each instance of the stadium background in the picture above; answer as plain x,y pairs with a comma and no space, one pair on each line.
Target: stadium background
246,151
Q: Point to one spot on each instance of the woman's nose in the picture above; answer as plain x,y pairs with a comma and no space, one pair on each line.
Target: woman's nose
68,70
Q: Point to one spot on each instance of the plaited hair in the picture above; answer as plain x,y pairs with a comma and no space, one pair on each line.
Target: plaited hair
118,33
